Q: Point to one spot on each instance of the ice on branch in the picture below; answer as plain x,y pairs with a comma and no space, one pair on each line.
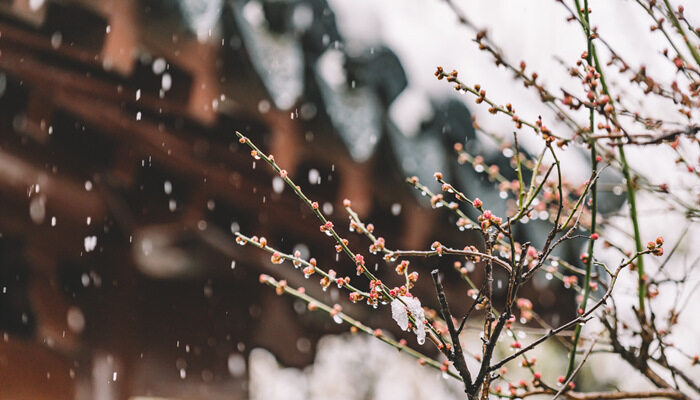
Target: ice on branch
400,310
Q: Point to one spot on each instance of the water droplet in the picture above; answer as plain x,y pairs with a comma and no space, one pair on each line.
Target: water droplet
337,319
235,227
35,5
233,264
90,242
314,176
88,186
85,280
159,65
263,106
548,276
166,82
183,373
37,209
138,94
138,115
56,39
75,319
53,221
236,365
277,184
327,208
167,187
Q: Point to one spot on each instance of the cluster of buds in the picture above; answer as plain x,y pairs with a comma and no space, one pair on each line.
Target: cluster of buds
337,308
276,258
355,297
326,280
546,133
486,219
297,259
437,247
472,258
339,248
342,281
375,292
280,289
561,381
525,307
360,263
509,322
445,365
400,291
584,258
310,269
450,77
327,228
436,200
412,278
463,223
529,364
402,267
655,246
506,186
377,246
570,281
482,96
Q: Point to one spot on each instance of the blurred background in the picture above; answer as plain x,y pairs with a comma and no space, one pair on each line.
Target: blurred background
122,183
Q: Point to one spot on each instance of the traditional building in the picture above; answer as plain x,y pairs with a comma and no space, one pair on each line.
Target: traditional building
121,182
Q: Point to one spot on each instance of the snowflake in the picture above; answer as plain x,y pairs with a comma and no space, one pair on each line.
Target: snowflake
400,310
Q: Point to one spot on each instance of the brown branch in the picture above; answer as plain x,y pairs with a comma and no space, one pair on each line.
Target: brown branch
456,356
650,394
